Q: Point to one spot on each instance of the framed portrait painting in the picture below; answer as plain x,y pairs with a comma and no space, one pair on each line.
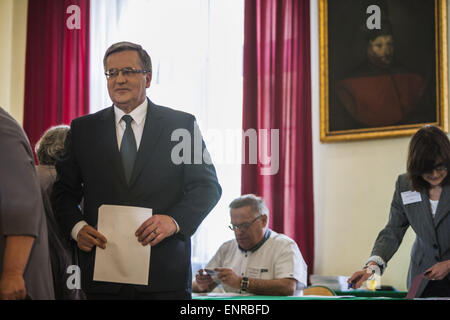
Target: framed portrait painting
383,67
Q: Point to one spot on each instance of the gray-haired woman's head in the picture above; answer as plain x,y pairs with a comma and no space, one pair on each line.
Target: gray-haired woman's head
51,145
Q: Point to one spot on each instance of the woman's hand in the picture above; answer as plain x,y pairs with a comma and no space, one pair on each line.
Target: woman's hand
439,271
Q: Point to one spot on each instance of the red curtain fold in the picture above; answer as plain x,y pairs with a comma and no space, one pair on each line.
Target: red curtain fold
277,95
57,65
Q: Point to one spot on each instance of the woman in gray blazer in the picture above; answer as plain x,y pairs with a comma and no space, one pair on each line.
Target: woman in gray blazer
421,200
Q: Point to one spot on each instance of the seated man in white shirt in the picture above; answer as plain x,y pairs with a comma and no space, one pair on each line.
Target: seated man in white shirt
258,261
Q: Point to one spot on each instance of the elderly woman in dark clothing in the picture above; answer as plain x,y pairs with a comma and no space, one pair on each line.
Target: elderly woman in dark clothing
48,150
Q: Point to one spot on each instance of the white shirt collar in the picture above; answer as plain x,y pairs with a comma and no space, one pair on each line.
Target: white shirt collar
138,114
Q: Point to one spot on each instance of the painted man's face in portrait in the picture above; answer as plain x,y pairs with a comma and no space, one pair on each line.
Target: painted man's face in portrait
381,51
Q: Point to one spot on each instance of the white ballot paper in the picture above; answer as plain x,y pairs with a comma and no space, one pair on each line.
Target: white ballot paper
124,260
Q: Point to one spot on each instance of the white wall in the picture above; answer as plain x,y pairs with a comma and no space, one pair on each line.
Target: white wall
13,23
353,187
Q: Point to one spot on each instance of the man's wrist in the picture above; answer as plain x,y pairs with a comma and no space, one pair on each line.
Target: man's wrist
177,227
244,281
76,229
448,265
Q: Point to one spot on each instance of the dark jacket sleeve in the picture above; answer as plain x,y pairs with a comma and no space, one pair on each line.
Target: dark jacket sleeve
201,187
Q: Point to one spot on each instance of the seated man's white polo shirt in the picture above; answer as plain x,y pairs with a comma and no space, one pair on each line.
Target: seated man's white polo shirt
278,257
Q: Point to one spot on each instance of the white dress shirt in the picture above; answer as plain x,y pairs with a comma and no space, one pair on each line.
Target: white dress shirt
137,124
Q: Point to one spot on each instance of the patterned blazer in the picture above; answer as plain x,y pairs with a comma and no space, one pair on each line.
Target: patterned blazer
432,243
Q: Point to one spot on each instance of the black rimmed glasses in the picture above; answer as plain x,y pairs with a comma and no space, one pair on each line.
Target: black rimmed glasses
126,72
244,226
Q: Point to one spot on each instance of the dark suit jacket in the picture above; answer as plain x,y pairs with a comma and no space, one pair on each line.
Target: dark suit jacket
91,169
432,243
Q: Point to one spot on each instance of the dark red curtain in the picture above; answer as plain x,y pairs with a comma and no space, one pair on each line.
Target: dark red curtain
277,95
57,64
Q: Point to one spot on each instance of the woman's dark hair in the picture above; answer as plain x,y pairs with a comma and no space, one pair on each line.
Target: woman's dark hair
428,145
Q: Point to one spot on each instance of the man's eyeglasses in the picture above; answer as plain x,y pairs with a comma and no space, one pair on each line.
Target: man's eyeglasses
243,226
126,72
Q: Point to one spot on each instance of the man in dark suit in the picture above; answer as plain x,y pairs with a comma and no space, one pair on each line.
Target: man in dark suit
124,155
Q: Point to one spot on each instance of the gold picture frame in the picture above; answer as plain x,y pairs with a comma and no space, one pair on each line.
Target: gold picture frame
344,98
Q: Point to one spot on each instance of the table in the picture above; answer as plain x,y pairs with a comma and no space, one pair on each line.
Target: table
372,294
341,295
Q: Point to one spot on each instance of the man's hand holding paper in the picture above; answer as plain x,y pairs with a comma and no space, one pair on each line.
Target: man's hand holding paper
88,237
156,229
205,281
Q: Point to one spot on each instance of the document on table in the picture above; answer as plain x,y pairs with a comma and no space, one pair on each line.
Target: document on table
124,260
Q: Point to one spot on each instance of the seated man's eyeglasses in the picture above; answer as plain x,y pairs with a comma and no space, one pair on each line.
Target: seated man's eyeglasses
243,226
126,72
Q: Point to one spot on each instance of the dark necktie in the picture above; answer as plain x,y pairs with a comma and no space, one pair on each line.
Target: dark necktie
128,148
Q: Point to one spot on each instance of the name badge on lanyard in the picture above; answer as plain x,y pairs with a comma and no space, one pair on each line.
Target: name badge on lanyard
409,197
